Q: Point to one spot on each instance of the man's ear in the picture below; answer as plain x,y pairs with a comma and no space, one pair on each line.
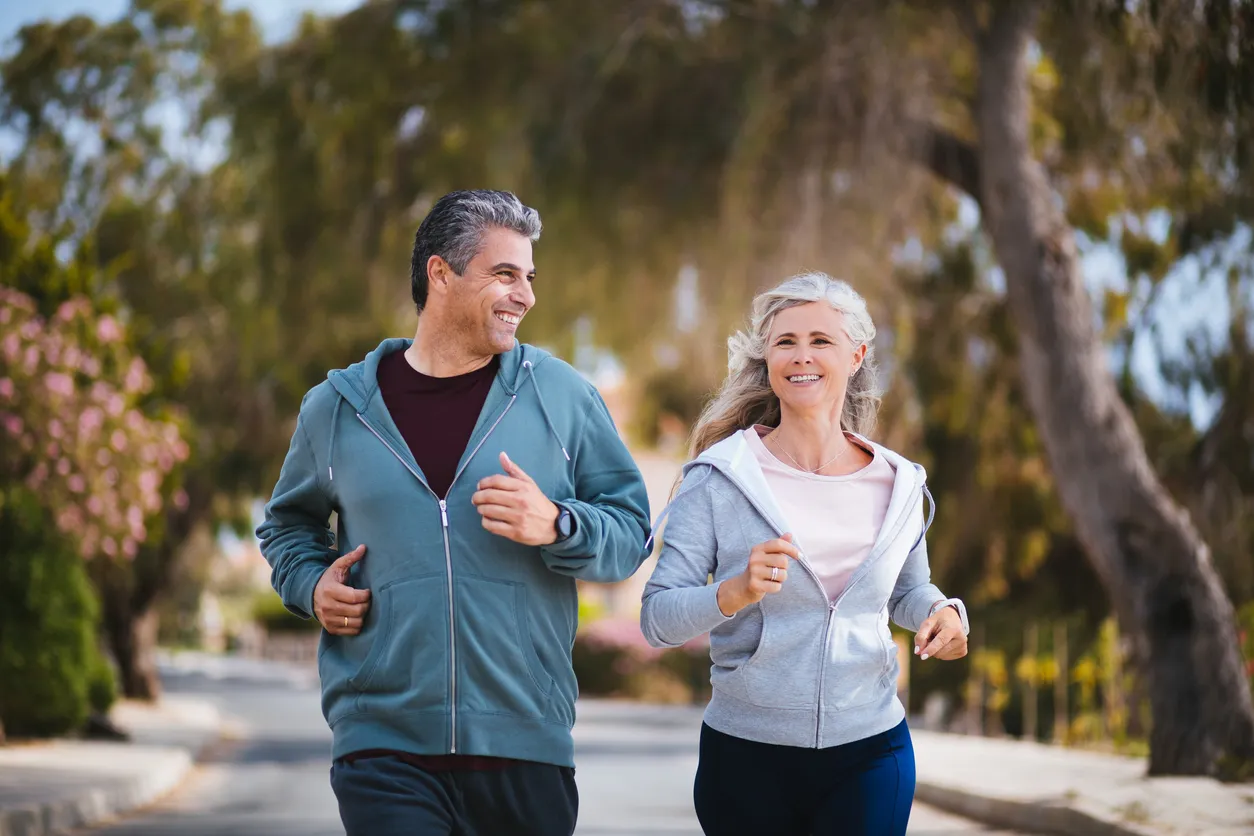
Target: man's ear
439,275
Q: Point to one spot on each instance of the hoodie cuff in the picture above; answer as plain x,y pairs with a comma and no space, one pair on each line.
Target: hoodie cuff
957,604
576,546
298,597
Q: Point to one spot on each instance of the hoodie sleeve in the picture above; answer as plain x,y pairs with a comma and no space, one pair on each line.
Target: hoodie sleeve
296,536
611,506
914,595
679,601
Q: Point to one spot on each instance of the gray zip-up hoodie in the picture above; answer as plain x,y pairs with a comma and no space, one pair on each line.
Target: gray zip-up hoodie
795,669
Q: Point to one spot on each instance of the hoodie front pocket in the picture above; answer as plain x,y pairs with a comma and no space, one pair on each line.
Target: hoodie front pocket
408,656
499,671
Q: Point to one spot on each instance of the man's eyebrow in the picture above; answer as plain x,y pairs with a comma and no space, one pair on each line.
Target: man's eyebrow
505,265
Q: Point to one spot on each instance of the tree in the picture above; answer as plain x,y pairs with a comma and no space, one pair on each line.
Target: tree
1154,565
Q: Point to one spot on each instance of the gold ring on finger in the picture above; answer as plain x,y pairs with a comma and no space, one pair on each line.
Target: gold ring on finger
345,621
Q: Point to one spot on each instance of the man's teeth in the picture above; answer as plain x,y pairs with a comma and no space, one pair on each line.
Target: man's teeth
803,378
510,318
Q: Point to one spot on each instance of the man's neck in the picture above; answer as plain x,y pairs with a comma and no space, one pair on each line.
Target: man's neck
436,355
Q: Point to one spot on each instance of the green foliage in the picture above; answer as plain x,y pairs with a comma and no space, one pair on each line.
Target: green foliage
49,659
269,612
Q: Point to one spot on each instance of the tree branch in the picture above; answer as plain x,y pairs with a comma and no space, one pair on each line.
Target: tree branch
948,157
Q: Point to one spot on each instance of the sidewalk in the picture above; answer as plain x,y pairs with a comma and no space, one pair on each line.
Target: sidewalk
48,788
1049,789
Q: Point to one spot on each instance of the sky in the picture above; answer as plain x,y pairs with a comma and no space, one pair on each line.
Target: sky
277,17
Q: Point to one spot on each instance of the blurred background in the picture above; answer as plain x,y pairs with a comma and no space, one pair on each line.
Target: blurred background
207,204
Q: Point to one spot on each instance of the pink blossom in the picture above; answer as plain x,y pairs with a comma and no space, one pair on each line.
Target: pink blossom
91,419
55,429
6,387
59,384
130,548
12,347
165,460
181,450
118,440
69,519
111,477
115,405
109,546
29,330
76,483
108,330
103,457
5,315
91,366
40,472
149,481
134,516
72,357
13,425
133,420
95,506
52,450
180,499
31,360
136,376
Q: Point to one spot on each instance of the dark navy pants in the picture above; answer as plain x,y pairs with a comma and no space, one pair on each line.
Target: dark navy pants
864,788
385,796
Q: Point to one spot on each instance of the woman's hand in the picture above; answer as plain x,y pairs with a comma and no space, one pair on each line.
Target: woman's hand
941,636
766,573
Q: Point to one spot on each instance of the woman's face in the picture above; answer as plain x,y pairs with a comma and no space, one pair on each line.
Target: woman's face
809,358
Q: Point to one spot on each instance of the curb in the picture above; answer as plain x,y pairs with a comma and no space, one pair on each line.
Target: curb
98,803
1028,816
166,763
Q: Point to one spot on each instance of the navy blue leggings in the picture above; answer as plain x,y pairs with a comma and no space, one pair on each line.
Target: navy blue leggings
864,788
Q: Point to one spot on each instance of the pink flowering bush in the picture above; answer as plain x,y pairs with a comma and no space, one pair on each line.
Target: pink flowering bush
70,428
612,658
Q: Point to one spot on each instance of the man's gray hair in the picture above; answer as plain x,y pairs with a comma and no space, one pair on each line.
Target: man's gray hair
454,230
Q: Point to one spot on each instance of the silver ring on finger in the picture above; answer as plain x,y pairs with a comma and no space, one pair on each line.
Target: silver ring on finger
775,574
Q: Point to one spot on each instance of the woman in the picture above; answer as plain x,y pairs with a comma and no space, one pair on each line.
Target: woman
813,536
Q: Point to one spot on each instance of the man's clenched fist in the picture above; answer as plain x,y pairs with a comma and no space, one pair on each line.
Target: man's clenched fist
337,606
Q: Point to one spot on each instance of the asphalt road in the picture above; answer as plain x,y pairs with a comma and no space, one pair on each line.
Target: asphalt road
270,776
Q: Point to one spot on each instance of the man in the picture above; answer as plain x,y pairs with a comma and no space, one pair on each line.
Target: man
474,479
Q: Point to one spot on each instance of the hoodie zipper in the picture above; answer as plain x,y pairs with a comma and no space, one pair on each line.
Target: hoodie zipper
448,556
831,612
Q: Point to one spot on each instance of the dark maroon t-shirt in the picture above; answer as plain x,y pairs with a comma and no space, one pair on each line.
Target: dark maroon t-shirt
436,417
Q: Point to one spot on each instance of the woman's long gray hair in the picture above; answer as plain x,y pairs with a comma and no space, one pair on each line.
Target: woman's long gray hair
746,397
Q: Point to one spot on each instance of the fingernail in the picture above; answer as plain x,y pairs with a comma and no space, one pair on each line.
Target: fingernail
916,651
924,656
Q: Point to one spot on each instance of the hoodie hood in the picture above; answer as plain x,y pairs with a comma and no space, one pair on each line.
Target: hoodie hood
734,459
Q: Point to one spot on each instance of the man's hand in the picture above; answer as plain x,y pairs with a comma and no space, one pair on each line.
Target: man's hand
337,606
941,636
513,506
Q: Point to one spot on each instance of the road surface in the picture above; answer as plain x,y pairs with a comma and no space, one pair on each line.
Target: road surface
270,776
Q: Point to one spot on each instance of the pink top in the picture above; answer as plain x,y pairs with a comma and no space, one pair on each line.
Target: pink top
835,519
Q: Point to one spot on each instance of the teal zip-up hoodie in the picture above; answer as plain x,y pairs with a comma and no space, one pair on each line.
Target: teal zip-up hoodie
466,648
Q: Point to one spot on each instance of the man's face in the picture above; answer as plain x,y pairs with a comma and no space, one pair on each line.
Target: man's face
488,301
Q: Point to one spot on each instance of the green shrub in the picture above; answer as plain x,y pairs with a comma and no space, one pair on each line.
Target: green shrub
269,612
48,617
102,686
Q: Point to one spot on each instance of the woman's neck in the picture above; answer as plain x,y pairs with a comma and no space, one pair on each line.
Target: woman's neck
811,443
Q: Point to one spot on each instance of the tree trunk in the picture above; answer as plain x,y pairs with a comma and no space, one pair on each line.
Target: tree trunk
129,592
1157,569
133,641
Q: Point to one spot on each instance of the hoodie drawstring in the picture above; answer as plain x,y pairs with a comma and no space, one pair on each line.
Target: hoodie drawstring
335,423
527,364
931,514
